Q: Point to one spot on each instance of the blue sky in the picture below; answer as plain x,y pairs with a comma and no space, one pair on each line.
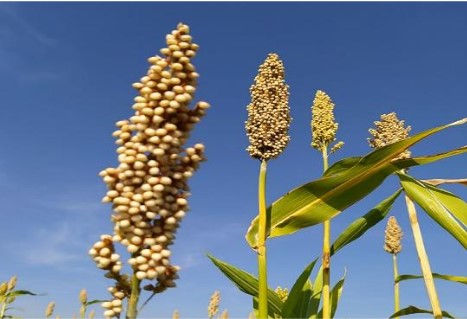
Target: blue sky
65,75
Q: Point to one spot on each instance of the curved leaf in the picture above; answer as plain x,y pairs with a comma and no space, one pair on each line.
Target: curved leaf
248,284
335,296
322,199
454,204
297,303
360,226
459,279
317,292
411,310
426,199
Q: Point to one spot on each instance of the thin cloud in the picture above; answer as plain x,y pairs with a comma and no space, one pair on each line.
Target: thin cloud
52,247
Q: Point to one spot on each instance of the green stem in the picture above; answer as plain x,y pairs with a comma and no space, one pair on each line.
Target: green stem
262,260
396,285
2,310
423,259
132,311
326,254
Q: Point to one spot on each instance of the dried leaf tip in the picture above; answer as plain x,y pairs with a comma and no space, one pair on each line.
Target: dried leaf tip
269,118
393,236
387,131
214,302
323,125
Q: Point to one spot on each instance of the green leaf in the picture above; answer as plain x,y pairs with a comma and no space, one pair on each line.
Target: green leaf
335,296
361,225
459,279
297,303
342,165
322,199
411,310
426,199
454,204
248,284
17,293
92,302
317,292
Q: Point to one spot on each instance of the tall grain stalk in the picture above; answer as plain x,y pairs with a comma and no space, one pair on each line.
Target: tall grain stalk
423,259
324,129
392,244
389,130
267,129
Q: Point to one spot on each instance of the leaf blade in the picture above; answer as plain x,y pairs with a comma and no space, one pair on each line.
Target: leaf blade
411,310
458,279
420,194
322,199
248,284
296,305
361,225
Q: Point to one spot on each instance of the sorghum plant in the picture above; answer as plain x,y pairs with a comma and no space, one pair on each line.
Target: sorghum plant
267,129
8,294
392,245
324,129
149,188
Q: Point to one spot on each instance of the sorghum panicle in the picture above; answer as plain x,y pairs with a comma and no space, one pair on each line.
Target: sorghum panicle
50,309
393,236
268,113
149,188
323,124
214,302
283,293
387,131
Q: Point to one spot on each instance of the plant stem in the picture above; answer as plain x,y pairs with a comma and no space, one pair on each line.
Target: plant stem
423,258
132,310
2,310
262,260
326,254
396,285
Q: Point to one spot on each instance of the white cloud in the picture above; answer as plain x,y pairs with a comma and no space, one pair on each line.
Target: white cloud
53,246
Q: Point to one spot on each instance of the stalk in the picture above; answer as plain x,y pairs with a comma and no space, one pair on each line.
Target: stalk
396,285
262,260
132,310
326,253
2,310
423,258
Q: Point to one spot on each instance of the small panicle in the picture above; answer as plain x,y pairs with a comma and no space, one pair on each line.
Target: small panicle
176,314
83,296
283,293
12,283
268,113
387,131
393,236
50,309
224,314
214,302
323,125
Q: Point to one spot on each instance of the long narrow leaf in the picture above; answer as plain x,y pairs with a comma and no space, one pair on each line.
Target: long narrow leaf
424,197
361,225
454,204
297,303
322,199
411,310
248,284
317,293
335,296
459,279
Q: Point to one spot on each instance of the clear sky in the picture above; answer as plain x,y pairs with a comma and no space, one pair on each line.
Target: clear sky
65,78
